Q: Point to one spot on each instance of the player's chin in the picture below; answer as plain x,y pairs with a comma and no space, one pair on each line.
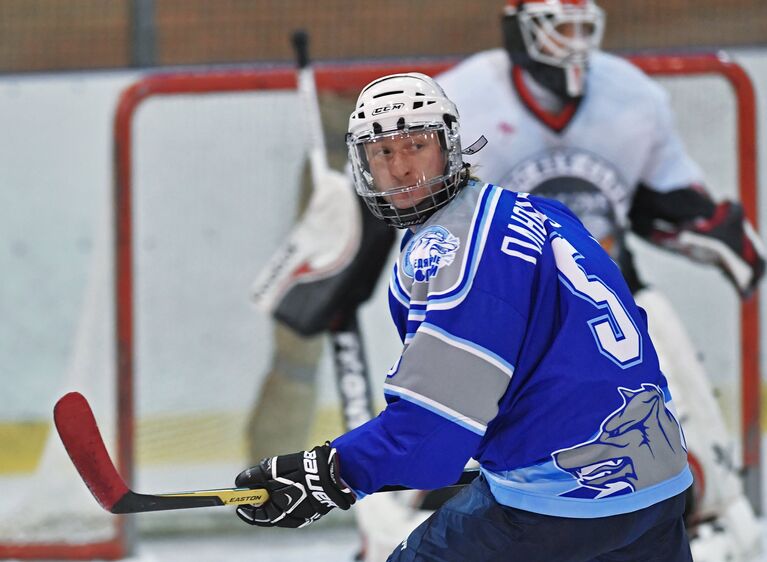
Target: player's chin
406,199
401,204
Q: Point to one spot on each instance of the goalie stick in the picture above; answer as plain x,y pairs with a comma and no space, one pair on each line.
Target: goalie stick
82,439
350,362
307,90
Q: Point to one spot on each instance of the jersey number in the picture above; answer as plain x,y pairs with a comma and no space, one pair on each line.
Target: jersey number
615,333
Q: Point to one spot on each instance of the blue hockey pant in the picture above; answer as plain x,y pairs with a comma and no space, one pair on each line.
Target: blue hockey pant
473,527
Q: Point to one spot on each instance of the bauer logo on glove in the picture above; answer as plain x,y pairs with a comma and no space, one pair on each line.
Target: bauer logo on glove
302,488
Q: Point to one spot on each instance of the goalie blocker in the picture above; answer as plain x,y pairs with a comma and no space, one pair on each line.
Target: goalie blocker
321,275
331,260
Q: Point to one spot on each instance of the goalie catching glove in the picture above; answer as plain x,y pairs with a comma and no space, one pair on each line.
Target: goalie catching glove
302,488
725,239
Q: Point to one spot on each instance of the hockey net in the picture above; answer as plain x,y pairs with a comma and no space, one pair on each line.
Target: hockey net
208,179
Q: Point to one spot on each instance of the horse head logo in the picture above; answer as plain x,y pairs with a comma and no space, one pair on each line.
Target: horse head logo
638,445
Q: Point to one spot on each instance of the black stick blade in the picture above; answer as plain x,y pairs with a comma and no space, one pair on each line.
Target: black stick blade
139,503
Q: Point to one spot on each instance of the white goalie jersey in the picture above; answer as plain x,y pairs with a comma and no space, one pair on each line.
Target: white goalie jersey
526,150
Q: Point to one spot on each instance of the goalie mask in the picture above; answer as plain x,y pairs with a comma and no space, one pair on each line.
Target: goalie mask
404,148
552,40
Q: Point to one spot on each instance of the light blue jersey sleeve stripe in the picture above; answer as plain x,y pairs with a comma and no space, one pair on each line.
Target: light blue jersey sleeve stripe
396,289
415,315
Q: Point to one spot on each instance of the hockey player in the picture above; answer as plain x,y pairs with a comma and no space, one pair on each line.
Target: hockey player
568,121
523,348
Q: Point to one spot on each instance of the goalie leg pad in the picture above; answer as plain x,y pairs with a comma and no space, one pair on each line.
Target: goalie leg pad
284,409
385,520
719,490
734,537
699,413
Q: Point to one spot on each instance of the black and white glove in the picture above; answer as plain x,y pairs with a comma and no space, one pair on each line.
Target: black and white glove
726,240
302,488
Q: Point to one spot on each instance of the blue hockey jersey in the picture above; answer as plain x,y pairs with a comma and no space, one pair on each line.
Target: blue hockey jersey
524,349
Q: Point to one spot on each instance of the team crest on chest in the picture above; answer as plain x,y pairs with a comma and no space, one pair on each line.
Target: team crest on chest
429,251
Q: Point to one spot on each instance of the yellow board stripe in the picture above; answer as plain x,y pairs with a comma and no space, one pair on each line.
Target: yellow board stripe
21,445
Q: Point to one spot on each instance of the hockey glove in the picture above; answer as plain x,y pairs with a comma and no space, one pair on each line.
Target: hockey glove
726,240
302,488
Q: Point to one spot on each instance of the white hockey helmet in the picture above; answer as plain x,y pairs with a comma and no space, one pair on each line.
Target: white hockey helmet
405,149
553,40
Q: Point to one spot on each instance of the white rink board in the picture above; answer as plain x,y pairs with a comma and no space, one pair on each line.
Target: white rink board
55,173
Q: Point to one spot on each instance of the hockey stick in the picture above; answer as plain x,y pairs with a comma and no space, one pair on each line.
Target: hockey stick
82,439
351,368
307,90
348,352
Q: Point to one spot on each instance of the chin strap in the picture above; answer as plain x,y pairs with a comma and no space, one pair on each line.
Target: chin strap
575,79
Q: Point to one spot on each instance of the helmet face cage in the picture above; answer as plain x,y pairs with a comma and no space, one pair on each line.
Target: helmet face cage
407,201
553,39
561,34
405,149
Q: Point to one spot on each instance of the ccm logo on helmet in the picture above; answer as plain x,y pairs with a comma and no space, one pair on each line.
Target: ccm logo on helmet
388,107
313,479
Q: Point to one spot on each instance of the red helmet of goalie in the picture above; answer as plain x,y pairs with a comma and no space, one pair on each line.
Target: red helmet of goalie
552,40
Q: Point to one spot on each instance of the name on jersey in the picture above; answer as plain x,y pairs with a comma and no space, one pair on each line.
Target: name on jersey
429,251
527,232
